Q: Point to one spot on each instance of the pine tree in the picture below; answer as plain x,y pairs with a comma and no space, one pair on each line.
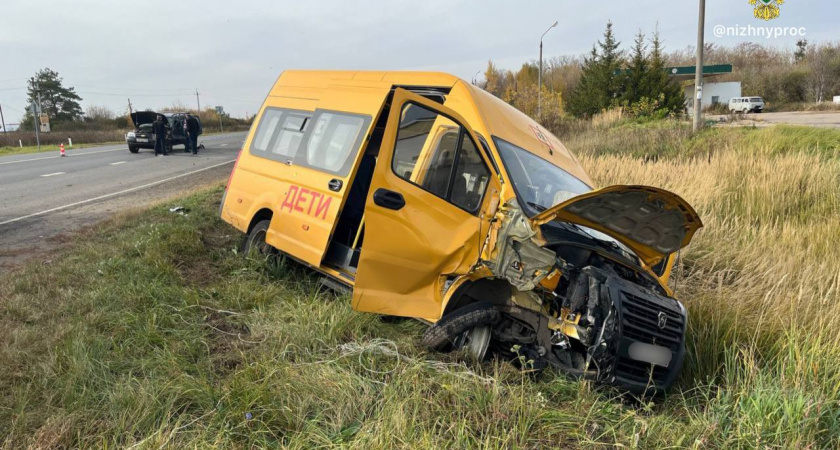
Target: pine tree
611,61
60,103
600,84
659,83
635,79
801,50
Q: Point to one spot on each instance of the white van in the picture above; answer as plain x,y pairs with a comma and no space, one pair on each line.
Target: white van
746,104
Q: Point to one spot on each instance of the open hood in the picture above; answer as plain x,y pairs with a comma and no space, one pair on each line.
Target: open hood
650,221
143,117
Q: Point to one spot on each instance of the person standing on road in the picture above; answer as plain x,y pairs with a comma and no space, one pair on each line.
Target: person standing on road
159,128
187,134
193,128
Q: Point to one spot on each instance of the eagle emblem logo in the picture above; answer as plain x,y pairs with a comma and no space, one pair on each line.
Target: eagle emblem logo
766,9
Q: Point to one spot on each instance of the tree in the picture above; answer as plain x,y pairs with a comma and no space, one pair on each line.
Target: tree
635,79
824,64
801,50
494,80
60,103
659,84
97,113
599,84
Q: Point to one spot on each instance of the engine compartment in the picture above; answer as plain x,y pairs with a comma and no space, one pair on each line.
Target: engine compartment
574,304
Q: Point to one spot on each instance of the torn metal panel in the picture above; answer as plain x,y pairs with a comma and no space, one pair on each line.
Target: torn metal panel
517,254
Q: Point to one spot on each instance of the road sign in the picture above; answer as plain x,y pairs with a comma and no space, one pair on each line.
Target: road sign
45,123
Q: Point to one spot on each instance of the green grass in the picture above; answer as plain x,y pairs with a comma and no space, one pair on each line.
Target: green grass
674,139
6,151
152,331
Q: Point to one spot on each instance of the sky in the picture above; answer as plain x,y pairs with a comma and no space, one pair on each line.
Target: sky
159,52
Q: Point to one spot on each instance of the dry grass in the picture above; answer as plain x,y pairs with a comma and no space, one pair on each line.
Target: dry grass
12,140
153,333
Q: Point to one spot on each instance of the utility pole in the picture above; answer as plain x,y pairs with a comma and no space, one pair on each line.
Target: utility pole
2,120
698,77
539,77
36,115
198,102
130,112
35,120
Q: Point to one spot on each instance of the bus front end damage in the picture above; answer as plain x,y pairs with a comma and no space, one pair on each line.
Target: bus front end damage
569,292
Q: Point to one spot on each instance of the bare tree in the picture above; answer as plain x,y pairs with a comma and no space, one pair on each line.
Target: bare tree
98,113
824,64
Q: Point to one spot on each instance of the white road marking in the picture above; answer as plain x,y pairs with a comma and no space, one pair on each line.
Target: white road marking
53,174
118,162
113,194
53,157
122,149
223,145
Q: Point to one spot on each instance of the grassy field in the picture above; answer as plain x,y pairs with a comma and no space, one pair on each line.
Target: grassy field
5,151
10,142
81,141
152,332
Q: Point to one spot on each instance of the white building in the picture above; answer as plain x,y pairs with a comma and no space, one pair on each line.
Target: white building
713,93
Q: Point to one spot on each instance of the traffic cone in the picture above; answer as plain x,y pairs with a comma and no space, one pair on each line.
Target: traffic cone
62,149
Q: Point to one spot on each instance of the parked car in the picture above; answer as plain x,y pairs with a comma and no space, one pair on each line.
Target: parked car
143,137
746,104
430,198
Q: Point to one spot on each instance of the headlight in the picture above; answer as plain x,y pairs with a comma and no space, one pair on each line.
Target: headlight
130,135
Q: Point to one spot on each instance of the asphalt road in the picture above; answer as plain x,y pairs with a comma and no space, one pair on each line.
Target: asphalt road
44,196
823,119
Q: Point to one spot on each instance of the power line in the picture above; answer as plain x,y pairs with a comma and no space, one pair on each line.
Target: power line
107,88
14,109
220,97
133,94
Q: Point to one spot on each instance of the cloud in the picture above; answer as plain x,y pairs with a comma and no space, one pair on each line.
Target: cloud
159,52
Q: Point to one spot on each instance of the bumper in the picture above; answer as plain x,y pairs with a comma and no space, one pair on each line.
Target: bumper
138,144
149,143
141,141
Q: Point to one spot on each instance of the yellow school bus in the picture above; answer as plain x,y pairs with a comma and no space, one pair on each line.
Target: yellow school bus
430,198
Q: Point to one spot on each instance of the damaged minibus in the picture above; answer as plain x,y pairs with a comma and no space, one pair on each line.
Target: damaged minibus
432,199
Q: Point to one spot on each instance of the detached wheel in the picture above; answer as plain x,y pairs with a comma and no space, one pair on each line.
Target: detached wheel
133,148
254,241
467,327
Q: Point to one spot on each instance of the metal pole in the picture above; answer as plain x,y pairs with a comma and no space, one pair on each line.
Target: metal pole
198,102
221,130
35,122
539,77
38,119
3,120
698,77
539,87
